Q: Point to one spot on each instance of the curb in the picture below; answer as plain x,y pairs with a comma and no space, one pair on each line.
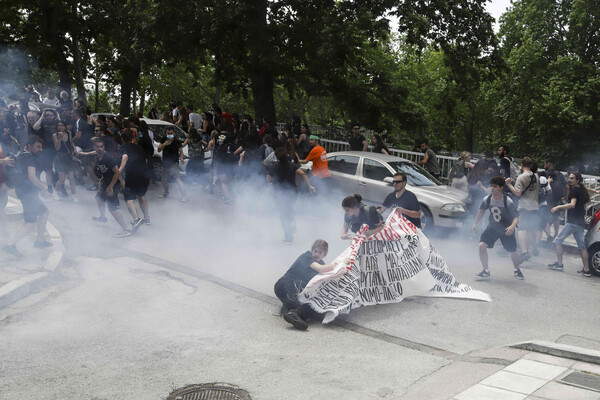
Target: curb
560,350
21,287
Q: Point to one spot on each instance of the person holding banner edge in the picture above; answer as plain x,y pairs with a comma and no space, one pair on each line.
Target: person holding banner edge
287,288
356,214
404,200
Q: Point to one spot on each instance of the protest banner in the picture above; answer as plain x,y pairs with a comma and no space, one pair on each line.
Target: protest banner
395,263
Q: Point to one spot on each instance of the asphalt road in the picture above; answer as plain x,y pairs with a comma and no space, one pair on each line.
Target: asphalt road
189,299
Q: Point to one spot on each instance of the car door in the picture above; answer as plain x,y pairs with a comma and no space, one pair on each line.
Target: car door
343,169
370,184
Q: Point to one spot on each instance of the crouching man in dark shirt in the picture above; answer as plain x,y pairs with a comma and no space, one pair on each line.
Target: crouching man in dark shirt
295,280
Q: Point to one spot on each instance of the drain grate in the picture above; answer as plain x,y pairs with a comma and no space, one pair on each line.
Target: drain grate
210,391
583,380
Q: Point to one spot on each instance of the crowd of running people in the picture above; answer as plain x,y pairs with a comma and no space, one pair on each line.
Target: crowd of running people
114,154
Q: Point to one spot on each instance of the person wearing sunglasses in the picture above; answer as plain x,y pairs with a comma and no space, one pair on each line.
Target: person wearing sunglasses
403,199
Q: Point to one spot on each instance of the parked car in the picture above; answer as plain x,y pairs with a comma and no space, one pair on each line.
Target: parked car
370,175
592,243
159,129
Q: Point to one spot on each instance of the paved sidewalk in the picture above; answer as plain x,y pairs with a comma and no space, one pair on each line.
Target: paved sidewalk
538,376
19,277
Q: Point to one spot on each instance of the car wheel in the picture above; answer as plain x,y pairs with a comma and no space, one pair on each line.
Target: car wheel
594,258
426,219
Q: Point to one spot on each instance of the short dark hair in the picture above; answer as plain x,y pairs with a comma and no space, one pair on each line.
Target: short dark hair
352,201
355,124
506,148
424,141
497,180
127,136
33,139
402,174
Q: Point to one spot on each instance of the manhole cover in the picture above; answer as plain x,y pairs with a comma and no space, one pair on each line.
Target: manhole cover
210,391
583,380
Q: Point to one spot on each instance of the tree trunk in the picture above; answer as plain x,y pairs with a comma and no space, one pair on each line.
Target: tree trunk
260,71
51,29
142,100
130,77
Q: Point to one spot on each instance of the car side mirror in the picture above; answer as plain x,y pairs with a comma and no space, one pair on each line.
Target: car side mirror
389,180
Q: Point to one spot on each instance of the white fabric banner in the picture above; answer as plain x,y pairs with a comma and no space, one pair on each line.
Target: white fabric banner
395,263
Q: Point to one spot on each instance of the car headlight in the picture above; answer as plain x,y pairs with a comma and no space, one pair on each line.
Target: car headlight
455,207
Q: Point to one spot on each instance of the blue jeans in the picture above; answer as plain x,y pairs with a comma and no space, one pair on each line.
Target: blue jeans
571,229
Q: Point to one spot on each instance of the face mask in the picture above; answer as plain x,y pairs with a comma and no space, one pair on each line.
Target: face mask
170,137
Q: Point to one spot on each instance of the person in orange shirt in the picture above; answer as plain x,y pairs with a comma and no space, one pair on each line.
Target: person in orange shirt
320,172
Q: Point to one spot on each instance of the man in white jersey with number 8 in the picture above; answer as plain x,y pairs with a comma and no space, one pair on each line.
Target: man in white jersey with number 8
504,218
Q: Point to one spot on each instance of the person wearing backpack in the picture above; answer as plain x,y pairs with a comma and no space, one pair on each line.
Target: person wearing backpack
527,189
27,188
503,220
356,214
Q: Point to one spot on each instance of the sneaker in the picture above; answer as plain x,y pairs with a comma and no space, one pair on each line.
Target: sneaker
136,225
164,195
75,200
519,274
56,196
147,221
184,199
228,202
483,275
123,233
556,266
523,257
12,250
293,318
92,188
587,273
288,241
45,243
99,219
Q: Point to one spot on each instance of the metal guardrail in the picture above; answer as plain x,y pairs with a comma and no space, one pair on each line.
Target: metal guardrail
445,162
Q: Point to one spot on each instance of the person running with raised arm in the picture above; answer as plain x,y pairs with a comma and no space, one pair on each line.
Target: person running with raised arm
503,221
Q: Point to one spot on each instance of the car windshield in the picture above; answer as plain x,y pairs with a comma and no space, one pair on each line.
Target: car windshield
160,132
416,175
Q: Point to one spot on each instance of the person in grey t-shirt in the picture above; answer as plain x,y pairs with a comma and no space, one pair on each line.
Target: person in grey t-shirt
430,160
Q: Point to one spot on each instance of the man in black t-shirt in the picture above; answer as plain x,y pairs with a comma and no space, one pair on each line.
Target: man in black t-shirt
27,187
136,172
403,199
107,170
295,280
172,154
357,141
503,220
46,127
576,200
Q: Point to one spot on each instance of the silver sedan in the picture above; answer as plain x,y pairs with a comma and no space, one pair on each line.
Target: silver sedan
370,175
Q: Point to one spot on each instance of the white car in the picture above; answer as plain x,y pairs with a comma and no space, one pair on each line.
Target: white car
370,175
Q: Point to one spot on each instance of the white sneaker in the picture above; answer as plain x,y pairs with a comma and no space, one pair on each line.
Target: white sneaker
75,199
56,196
123,233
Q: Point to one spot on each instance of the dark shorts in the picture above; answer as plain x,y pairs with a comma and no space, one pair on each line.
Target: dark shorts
529,220
490,235
46,159
112,201
135,189
64,163
33,206
543,217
